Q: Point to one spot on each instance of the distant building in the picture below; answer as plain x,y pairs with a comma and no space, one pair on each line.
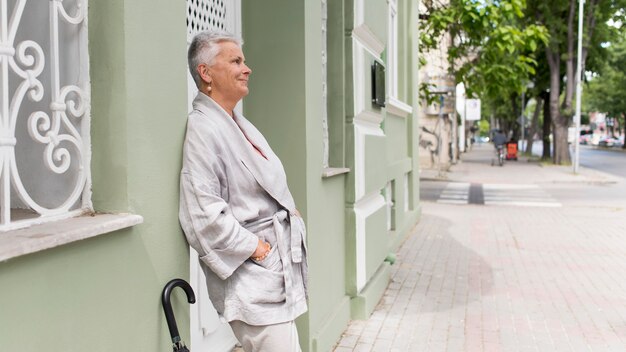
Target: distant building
437,123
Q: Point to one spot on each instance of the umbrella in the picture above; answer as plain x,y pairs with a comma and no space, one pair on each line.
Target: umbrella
178,344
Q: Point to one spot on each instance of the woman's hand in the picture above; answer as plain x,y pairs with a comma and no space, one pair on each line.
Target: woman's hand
262,250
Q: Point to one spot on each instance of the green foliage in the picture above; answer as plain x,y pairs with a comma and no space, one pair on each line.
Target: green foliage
493,51
483,128
606,92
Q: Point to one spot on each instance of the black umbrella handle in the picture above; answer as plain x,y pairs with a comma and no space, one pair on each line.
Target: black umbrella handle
167,305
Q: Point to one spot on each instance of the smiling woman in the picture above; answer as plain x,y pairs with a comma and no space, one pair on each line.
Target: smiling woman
226,77
235,207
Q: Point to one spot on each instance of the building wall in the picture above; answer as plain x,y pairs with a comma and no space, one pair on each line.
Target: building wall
435,128
103,293
285,103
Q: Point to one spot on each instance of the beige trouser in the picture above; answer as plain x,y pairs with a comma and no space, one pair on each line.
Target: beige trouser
281,337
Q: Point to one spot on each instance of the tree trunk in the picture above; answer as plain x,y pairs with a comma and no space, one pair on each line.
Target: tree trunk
561,147
547,123
624,131
534,125
570,57
560,122
514,125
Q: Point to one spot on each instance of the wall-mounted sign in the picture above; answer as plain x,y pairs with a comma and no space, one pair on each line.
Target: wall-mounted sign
472,109
378,84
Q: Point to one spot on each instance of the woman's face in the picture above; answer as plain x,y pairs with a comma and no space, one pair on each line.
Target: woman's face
229,73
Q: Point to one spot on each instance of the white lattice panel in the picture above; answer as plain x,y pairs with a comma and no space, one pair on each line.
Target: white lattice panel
205,15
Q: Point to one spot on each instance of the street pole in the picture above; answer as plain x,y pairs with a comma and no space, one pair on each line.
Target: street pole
455,136
521,117
440,144
579,87
462,136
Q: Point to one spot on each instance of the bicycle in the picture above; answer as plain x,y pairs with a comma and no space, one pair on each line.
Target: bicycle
499,155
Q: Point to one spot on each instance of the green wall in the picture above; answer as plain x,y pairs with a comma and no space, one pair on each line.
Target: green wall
285,104
388,157
103,294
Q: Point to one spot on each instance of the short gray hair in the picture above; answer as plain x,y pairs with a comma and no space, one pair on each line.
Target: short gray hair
204,49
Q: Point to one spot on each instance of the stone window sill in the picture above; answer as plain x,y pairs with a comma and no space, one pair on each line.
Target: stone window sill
40,237
334,171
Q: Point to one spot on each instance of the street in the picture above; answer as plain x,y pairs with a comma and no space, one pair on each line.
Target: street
612,160
524,257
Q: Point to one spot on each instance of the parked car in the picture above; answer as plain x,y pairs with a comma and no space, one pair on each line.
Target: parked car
606,141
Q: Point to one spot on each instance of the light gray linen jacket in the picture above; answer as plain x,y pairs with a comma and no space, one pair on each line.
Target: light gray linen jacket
230,197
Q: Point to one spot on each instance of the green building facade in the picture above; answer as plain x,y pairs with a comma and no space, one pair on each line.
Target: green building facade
94,283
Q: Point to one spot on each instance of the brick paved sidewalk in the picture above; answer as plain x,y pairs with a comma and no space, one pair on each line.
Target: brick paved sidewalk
478,278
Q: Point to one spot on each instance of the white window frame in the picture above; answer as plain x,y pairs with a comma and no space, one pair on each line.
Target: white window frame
392,48
394,105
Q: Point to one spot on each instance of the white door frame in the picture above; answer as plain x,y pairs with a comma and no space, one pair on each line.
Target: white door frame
207,330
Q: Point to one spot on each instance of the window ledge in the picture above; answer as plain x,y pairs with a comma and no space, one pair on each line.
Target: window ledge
39,237
334,171
397,107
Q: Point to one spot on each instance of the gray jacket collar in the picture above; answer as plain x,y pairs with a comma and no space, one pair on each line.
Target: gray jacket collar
233,130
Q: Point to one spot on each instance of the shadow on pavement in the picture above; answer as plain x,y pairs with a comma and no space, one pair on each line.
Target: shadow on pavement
440,272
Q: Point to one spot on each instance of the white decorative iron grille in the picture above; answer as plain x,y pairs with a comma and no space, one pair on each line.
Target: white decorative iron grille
44,139
204,15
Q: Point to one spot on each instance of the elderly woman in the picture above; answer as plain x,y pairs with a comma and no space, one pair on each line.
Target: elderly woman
235,206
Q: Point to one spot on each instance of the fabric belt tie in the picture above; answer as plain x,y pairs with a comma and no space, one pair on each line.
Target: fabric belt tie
296,233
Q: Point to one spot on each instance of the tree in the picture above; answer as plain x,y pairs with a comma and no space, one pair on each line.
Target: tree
607,91
492,51
560,16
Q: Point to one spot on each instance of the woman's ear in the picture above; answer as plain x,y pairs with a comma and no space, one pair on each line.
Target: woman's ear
203,71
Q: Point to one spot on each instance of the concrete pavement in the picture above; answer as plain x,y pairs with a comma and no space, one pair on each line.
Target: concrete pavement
505,278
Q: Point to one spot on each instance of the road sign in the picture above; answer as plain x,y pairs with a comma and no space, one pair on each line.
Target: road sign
472,109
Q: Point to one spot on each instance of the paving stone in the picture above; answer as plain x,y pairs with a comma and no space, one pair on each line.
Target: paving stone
499,278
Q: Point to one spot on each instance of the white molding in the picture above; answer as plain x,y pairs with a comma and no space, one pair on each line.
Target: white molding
369,204
365,123
392,49
368,40
357,73
359,12
389,204
407,194
359,161
367,116
363,208
397,107
362,128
